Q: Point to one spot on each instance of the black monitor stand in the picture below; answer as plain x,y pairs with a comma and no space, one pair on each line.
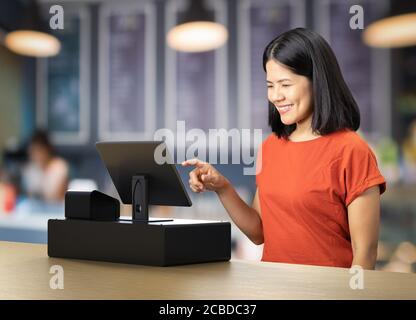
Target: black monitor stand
140,200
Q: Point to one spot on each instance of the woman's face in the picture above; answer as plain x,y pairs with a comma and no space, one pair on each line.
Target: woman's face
39,154
290,93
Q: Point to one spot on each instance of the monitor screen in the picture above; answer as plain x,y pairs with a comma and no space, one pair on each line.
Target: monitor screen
127,159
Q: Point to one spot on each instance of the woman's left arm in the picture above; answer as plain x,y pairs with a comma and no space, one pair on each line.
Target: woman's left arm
364,221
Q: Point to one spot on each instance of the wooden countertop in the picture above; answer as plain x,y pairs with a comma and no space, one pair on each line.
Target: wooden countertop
24,274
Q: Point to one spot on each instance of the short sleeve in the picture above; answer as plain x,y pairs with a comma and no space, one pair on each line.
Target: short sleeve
361,172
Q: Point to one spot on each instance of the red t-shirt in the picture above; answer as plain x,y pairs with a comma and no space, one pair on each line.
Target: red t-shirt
304,190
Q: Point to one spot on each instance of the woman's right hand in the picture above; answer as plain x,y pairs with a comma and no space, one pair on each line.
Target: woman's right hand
205,177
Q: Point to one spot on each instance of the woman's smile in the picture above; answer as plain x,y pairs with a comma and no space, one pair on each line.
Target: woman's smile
284,108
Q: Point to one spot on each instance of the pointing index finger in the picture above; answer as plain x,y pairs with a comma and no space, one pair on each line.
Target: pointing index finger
193,162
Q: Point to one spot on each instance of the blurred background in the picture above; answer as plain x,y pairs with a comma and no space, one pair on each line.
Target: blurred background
120,70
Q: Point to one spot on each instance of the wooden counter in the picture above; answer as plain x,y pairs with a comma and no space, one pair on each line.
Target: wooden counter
24,274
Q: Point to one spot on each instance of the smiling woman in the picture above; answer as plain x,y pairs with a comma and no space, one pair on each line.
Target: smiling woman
319,199
303,72
318,184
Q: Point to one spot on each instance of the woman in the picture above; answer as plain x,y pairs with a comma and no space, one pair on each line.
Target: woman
46,175
318,189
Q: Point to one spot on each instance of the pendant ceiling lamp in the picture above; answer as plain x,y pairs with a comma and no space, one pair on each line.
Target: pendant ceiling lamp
396,30
31,38
197,31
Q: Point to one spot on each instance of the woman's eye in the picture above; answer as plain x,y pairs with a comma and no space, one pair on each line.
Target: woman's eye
285,85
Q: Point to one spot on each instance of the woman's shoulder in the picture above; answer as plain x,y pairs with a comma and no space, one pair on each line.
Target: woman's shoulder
343,140
58,164
351,144
349,139
271,139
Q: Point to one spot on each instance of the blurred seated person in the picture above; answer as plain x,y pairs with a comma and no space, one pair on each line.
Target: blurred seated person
46,175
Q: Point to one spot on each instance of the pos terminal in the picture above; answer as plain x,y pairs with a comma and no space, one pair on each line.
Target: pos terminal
92,228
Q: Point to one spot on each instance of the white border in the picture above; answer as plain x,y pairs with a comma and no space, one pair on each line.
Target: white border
83,135
380,69
105,11
221,70
298,18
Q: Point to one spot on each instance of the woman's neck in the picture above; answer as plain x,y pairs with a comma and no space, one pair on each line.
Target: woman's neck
303,131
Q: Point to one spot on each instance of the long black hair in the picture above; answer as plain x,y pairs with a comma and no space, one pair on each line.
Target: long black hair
306,53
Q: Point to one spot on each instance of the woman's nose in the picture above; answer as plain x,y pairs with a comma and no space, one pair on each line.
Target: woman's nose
276,96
